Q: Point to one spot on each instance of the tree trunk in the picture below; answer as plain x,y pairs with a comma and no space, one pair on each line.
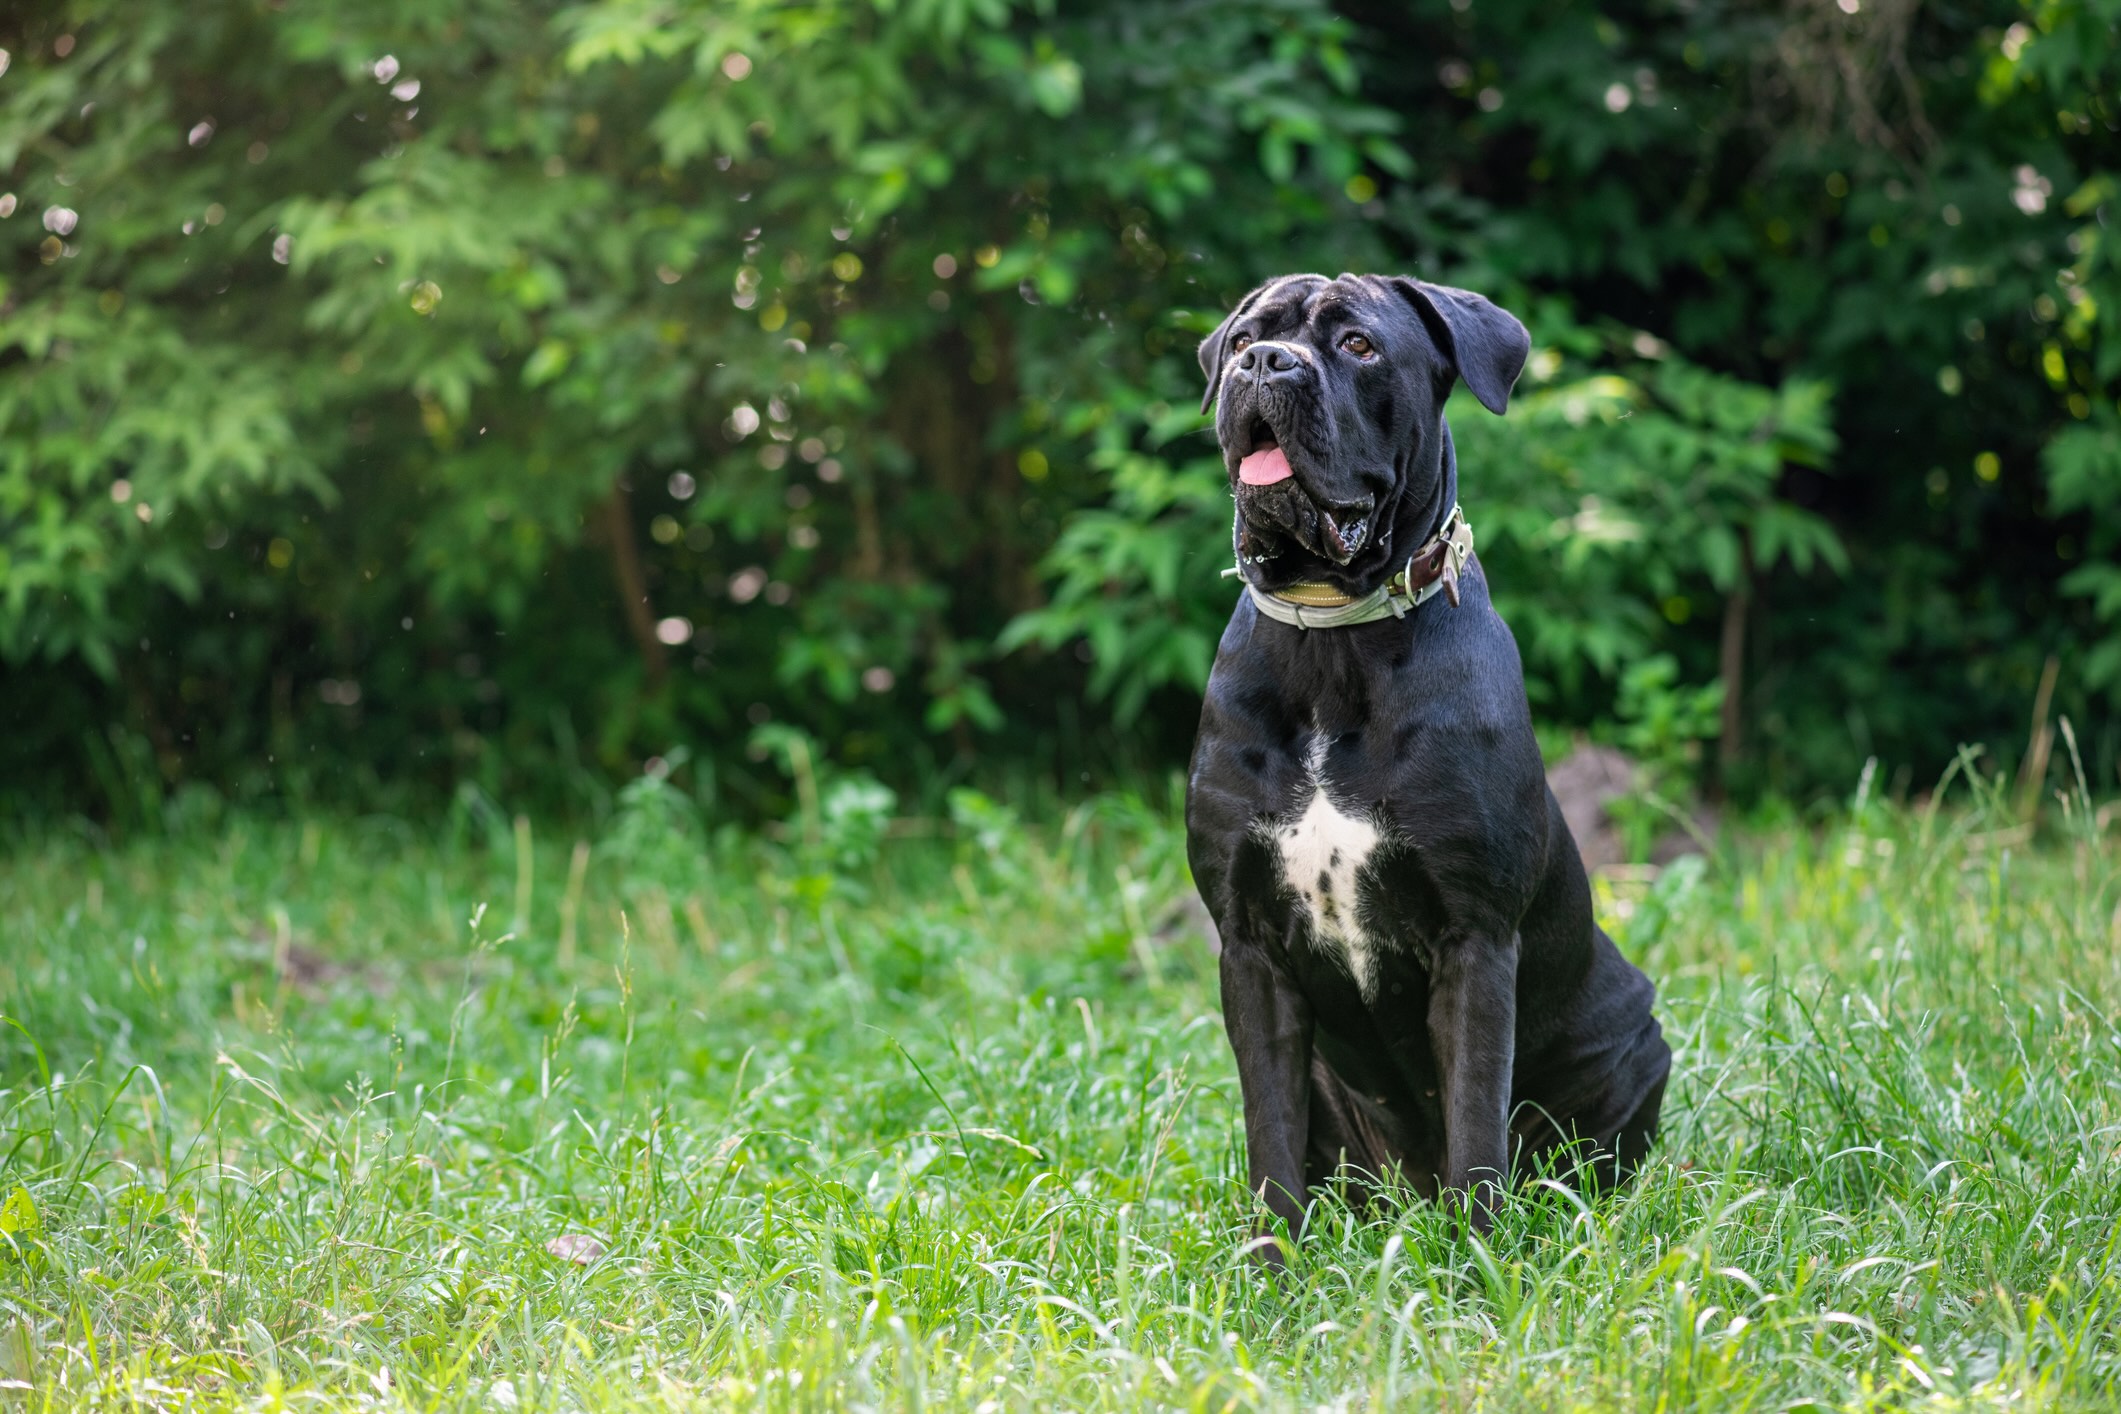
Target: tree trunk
633,584
2032,771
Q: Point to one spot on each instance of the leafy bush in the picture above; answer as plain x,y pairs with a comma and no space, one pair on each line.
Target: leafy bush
498,394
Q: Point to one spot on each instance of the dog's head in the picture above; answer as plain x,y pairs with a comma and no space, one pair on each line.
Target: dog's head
1331,413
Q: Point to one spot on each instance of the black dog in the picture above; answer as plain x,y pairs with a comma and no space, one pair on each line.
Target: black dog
1411,976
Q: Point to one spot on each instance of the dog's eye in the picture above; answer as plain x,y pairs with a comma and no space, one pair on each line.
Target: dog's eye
1237,345
1358,345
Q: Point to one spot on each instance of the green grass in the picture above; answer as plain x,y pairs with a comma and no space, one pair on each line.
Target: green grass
298,1120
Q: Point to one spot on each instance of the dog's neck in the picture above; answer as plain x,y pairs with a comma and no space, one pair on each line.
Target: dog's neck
1417,521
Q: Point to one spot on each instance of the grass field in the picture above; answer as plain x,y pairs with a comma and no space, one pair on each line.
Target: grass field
354,1113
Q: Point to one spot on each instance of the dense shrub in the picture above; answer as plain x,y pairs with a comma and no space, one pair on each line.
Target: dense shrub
501,393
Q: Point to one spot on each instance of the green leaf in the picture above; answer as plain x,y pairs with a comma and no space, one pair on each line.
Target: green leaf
19,1223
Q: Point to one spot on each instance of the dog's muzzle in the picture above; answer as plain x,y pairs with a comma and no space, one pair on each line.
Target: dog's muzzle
1261,397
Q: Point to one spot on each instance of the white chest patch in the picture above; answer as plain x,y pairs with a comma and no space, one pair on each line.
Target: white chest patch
1322,850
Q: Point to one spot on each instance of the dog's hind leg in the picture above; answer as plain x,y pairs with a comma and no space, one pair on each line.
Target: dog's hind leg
1632,1145
1597,1156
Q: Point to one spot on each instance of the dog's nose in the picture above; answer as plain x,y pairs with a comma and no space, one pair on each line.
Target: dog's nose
1269,361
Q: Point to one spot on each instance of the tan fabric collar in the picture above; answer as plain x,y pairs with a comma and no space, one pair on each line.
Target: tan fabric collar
1430,570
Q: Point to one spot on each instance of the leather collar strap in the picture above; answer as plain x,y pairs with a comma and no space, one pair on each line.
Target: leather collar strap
1430,570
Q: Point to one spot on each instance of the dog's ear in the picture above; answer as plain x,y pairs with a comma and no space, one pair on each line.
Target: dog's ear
1211,355
1211,360
1486,345
1215,346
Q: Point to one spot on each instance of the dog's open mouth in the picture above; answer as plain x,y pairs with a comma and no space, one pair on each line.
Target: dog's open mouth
1275,506
1266,463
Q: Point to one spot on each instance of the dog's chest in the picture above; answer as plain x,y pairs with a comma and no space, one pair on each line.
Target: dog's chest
1322,849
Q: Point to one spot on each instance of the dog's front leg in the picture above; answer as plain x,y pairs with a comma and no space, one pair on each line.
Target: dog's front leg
1473,1031
1270,1031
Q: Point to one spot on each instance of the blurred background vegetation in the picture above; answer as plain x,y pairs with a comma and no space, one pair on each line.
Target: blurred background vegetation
477,398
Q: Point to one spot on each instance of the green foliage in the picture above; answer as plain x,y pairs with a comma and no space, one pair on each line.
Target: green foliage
20,1226
270,1110
840,817
1662,723
500,394
2068,54
2084,476
1132,578
655,838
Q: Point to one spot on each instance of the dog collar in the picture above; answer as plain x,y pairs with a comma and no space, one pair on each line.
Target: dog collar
1430,570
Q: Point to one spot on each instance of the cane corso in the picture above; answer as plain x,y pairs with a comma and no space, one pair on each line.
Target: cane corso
1412,980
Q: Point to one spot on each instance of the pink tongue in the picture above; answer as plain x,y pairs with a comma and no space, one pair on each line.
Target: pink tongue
1264,468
